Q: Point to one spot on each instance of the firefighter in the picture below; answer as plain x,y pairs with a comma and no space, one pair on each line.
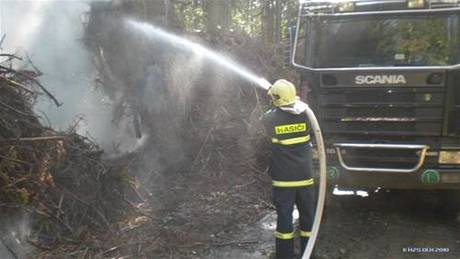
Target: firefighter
290,166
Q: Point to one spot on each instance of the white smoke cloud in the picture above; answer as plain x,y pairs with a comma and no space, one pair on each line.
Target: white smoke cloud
14,231
50,32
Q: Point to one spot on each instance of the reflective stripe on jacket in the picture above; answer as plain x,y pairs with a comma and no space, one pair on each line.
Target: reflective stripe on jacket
290,162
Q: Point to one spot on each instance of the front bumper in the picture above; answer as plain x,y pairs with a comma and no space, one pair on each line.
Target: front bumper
425,178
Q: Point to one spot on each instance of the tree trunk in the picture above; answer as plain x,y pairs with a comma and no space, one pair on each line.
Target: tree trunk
249,16
277,26
226,14
167,4
268,21
212,16
219,15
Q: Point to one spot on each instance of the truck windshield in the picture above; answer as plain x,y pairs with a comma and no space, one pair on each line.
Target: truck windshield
358,42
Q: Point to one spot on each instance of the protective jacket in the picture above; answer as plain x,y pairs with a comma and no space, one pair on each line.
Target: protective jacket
291,147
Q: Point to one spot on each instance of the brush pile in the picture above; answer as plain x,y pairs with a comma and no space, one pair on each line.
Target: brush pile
58,178
195,113
204,159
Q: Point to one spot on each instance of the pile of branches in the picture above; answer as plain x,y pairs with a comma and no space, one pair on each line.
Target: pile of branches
58,178
195,105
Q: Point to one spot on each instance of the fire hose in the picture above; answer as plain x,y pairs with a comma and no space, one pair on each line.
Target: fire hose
322,183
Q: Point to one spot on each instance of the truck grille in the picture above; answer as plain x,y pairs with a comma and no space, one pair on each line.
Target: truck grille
382,114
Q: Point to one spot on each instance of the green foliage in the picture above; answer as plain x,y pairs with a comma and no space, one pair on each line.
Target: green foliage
254,17
246,17
190,15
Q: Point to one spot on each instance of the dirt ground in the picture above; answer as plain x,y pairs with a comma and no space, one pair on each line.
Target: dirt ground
238,222
382,225
386,224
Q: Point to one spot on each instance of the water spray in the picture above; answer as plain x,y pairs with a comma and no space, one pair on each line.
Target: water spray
157,33
198,49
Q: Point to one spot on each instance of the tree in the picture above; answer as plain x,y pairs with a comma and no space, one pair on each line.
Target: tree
218,14
266,19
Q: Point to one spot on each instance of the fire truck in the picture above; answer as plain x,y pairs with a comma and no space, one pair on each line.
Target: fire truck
384,79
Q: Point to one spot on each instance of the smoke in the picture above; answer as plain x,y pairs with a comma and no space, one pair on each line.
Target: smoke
50,32
14,232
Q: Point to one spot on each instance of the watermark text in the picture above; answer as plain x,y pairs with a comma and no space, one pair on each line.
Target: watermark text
425,250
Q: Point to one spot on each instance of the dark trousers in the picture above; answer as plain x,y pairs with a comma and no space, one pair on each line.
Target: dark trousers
284,199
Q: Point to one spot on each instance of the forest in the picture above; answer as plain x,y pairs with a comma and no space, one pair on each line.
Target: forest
132,128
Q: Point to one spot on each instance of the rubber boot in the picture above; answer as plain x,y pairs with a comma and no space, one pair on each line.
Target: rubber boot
284,249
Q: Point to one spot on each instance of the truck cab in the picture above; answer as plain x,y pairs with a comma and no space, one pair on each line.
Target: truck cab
384,79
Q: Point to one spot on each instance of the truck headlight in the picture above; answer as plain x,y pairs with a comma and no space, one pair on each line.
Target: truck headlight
415,3
346,7
449,157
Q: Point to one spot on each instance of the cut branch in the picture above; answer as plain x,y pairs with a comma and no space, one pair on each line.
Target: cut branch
9,249
16,110
11,56
35,138
12,82
20,73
